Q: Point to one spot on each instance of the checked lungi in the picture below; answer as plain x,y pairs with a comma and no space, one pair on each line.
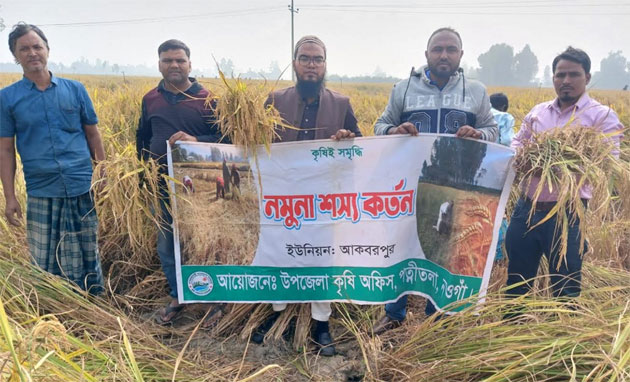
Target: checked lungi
62,236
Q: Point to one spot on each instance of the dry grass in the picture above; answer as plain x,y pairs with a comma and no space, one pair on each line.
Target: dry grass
585,341
54,332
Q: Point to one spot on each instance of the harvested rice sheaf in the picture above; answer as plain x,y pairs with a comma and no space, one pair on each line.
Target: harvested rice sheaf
567,159
245,119
243,116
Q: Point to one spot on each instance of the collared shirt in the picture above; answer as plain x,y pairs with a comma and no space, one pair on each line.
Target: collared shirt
164,113
48,128
505,123
428,73
309,119
547,115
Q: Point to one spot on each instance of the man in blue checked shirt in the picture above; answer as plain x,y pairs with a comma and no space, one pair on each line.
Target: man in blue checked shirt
52,122
505,122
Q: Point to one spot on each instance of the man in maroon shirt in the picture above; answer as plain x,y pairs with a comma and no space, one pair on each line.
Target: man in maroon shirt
175,110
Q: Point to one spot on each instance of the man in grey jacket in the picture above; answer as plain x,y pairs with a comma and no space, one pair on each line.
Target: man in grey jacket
436,99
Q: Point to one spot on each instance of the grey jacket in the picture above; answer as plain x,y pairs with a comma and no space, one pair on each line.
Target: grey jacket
431,110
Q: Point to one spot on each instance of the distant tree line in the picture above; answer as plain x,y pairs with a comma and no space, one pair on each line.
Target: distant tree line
83,66
104,67
500,66
181,154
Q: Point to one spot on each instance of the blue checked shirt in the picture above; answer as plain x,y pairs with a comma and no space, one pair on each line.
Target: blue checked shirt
48,128
505,123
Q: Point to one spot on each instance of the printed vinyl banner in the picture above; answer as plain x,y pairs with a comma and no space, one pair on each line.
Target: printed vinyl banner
363,220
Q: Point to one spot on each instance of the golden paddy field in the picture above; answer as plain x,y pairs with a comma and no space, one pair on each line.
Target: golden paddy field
50,332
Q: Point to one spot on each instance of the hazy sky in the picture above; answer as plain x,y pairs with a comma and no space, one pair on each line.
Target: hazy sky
360,35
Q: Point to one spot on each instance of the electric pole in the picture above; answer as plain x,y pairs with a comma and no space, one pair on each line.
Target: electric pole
293,12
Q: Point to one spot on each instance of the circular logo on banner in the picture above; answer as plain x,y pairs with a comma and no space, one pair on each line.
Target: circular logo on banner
200,283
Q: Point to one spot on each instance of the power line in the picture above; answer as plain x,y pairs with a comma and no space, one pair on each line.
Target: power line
501,3
242,12
442,8
465,12
499,8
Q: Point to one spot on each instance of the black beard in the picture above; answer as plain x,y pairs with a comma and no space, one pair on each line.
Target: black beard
441,74
568,99
309,89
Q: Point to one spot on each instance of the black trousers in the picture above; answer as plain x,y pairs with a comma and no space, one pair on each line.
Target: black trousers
525,248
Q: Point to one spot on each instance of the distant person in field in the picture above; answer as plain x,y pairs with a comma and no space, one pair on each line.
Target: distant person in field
220,187
505,120
236,177
436,98
317,113
175,110
226,175
526,245
188,185
445,218
53,122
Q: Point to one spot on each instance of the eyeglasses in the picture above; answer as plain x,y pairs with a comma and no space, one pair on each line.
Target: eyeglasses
305,60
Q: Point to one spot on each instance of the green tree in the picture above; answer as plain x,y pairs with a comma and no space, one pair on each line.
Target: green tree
178,154
454,162
496,65
525,67
614,72
226,66
2,25
499,66
216,154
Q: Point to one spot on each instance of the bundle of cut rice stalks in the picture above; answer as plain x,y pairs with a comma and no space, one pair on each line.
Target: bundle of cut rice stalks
126,199
566,160
245,118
